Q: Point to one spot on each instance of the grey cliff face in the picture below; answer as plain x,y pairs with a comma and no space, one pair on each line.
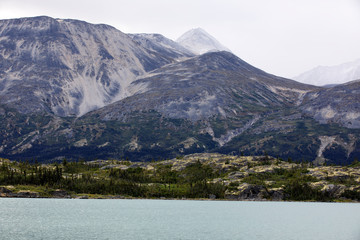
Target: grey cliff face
338,104
68,67
161,45
216,83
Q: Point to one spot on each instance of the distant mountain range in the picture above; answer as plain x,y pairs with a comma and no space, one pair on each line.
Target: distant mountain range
325,75
77,90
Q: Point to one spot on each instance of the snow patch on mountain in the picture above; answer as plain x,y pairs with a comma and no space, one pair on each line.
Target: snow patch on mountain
199,41
325,75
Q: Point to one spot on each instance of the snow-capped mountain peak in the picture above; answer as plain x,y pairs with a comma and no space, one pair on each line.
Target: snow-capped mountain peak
325,75
198,41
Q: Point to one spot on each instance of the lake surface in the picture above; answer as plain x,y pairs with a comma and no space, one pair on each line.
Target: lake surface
170,219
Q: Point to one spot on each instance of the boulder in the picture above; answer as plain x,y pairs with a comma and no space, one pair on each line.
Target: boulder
317,174
60,194
265,169
212,196
25,194
109,166
248,192
4,190
334,190
338,176
318,185
237,175
82,197
276,194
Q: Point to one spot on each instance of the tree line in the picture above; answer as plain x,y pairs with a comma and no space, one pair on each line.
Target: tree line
79,177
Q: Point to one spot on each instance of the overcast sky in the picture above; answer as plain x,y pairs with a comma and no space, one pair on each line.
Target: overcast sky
282,37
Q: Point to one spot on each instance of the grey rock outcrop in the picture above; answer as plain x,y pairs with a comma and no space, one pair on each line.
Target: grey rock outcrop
68,67
337,104
248,192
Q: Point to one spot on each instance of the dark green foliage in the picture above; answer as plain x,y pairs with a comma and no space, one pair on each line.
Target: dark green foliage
297,191
297,139
334,153
197,175
161,137
280,176
296,184
233,186
79,177
355,163
30,174
163,179
131,174
354,195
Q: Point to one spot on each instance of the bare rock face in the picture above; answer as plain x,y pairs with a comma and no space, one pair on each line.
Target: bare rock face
276,194
68,67
25,194
60,194
160,44
337,104
334,190
253,192
4,190
216,83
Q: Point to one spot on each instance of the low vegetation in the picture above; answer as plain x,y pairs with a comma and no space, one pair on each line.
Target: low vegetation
191,176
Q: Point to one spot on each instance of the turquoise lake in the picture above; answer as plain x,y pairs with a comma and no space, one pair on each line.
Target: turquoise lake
172,219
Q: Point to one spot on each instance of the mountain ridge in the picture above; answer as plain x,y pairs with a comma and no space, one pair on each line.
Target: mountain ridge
72,90
90,65
337,74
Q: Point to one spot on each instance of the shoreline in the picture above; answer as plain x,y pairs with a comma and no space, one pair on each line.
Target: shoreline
109,197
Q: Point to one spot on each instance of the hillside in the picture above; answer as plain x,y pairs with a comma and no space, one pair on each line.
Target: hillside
213,176
71,89
68,67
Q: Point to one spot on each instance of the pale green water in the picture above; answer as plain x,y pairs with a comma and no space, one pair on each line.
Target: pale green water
161,219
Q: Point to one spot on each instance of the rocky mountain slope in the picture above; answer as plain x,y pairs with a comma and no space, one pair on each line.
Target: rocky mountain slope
337,104
76,90
199,41
68,67
217,83
161,45
324,75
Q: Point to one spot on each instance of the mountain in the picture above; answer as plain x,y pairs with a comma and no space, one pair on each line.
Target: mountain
325,75
214,102
337,104
161,45
215,83
70,89
68,67
199,41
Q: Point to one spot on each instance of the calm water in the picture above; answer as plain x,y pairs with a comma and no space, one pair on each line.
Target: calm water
162,219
